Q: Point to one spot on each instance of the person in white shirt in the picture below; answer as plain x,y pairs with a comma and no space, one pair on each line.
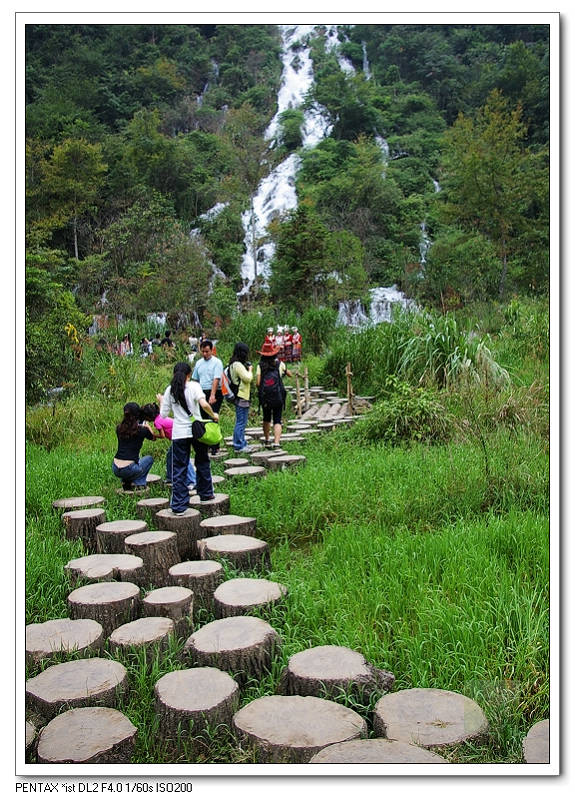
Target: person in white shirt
184,398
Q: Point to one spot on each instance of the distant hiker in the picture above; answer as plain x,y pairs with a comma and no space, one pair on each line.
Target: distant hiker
167,341
287,345
127,463
241,373
157,340
271,392
164,426
193,342
126,348
184,398
296,344
145,347
208,372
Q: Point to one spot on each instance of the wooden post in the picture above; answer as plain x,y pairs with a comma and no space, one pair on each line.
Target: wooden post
306,388
348,374
298,396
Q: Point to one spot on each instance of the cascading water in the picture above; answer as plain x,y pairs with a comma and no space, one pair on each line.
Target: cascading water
381,301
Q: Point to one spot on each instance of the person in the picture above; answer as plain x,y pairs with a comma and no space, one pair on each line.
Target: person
269,337
296,344
288,342
271,392
164,425
241,372
127,464
167,341
184,398
126,346
193,342
208,372
157,340
279,342
145,347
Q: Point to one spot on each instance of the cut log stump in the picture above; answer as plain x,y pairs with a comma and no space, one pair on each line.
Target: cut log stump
202,577
375,751
158,550
236,462
240,596
211,508
428,717
243,552
245,472
189,700
87,736
174,602
286,462
82,524
31,734
106,567
328,670
110,535
186,526
261,457
243,646
153,481
47,639
291,730
85,682
228,524
217,480
536,744
150,505
146,633
110,603
73,503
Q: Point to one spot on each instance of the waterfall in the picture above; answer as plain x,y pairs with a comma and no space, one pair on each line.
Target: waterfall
196,234
424,245
436,185
366,70
332,45
352,313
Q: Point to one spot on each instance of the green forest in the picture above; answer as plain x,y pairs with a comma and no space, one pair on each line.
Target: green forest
418,535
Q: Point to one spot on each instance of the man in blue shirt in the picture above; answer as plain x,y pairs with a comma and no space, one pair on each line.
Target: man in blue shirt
208,372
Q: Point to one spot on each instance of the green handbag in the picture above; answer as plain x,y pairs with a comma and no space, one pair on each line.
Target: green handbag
206,432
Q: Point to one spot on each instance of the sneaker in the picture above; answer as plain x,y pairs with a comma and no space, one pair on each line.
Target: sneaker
247,449
266,444
275,446
179,513
128,487
205,499
191,487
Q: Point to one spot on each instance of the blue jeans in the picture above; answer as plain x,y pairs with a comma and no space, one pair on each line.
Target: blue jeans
136,473
239,441
191,477
181,449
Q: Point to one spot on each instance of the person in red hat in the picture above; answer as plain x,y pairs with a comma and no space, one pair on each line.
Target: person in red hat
271,391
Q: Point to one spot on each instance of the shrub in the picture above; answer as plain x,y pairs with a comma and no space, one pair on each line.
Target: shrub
408,413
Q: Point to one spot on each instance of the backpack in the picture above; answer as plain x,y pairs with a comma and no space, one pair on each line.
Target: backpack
271,391
229,388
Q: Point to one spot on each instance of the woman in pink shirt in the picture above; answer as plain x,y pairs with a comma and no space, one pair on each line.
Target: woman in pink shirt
151,412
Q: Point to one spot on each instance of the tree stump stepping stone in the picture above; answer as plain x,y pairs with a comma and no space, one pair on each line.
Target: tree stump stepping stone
376,751
73,503
243,552
151,505
219,456
174,602
187,701
85,682
110,535
153,480
243,646
211,508
217,479
293,729
110,603
239,596
82,523
87,736
31,734
286,462
236,462
536,744
202,577
428,717
158,550
261,457
328,670
145,632
106,567
46,639
186,526
228,524
245,472
326,426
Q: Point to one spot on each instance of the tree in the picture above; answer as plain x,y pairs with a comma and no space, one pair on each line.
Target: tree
485,177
